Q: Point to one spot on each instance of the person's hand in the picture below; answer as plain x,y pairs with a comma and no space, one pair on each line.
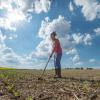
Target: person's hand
51,54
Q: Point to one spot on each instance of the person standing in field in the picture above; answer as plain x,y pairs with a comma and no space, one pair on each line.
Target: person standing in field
57,51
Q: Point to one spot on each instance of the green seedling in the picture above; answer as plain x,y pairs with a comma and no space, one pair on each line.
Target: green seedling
10,87
1,76
29,98
16,93
85,86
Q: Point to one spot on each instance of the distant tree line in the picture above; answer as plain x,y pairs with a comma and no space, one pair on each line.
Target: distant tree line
79,68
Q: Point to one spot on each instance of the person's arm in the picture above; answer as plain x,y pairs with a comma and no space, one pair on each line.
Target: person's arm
55,43
52,49
51,54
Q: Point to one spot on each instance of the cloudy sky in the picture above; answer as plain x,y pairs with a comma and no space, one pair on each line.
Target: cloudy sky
25,27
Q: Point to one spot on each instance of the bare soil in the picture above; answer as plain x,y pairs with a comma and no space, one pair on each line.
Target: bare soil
74,85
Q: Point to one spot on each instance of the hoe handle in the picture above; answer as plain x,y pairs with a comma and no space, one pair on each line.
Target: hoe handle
45,66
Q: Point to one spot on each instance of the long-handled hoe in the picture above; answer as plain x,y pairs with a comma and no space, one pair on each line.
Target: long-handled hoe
41,77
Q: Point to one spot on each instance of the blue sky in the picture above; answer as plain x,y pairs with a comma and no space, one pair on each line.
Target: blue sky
25,27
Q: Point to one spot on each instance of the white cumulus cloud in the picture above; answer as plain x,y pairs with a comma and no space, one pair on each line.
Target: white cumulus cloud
79,38
10,59
71,7
20,10
72,51
97,31
41,5
90,8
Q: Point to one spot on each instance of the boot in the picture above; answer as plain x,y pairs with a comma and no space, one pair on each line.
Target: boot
59,72
56,73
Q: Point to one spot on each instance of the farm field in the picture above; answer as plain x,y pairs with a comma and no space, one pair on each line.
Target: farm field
74,85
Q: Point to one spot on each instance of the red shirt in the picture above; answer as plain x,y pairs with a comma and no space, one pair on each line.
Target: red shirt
56,46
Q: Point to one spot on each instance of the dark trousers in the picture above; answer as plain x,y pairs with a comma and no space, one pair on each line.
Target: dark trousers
57,63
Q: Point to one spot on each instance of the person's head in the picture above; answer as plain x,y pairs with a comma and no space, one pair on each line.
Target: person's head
53,35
